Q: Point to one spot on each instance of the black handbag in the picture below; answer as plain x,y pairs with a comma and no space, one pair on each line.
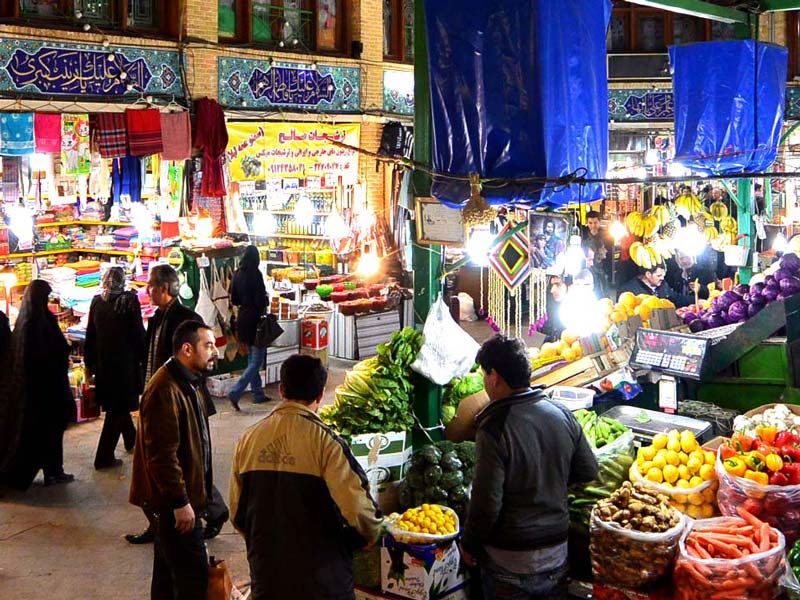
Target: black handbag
268,330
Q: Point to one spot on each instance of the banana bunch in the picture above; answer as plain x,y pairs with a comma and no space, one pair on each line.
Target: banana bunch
711,233
688,205
650,225
634,221
644,255
661,214
664,247
728,225
723,240
718,210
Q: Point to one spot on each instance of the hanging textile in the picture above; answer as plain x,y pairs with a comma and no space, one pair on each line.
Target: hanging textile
212,206
211,137
518,89
144,131
126,179
112,135
16,134
99,179
47,132
11,176
510,265
76,156
176,131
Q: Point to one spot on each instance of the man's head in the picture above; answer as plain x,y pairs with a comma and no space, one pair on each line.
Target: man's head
558,288
163,285
540,241
583,280
303,379
654,276
685,261
506,366
549,228
194,346
593,222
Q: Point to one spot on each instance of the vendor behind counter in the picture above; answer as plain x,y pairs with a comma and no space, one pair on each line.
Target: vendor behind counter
652,282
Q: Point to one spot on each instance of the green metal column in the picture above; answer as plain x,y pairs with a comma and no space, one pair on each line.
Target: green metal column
427,260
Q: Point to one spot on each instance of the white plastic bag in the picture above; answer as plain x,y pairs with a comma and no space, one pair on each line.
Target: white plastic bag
448,350
466,308
205,305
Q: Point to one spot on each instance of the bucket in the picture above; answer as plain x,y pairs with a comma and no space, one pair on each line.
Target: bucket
736,256
290,336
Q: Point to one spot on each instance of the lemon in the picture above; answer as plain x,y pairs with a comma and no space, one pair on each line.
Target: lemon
682,483
708,511
648,452
673,458
688,441
709,457
694,464
696,499
654,474
670,473
707,472
684,474
645,467
696,512
683,456
674,444
660,460
660,441
695,481
709,495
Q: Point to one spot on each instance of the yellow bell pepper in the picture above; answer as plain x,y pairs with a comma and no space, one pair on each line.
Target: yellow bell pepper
767,433
755,460
735,465
774,462
757,476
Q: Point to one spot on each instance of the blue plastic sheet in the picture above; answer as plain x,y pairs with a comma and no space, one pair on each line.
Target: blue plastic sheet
518,89
729,100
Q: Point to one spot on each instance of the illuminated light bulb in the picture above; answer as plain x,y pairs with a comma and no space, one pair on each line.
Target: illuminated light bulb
39,162
618,231
78,14
106,43
690,240
580,311
676,169
123,76
651,157
264,223
281,44
295,41
21,223
369,264
779,244
86,27
575,256
142,220
479,245
303,212
335,227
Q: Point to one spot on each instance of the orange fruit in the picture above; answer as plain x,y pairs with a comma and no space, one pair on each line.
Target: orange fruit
568,336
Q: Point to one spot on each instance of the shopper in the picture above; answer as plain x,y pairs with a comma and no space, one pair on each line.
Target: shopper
163,286
685,275
250,295
651,281
596,254
287,468
172,473
528,451
114,353
39,388
551,324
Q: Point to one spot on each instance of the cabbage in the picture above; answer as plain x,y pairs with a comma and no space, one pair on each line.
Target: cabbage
790,286
791,262
758,299
754,309
771,294
715,321
780,297
725,300
697,325
782,274
757,287
689,317
742,289
737,312
770,281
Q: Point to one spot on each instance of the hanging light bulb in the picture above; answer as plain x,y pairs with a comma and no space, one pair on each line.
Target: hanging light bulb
21,224
690,240
478,246
779,243
618,231
335,227
264,223
303,212
369,263
575,256
580,311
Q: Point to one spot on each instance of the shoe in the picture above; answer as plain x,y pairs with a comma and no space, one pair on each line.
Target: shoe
214,527
117,462
146,537
234,403
261,400
60,478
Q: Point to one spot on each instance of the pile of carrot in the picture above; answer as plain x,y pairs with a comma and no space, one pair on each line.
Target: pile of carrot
730,558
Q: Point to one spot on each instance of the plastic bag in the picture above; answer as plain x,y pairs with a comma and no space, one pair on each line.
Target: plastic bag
631,558
703,497
790,585
614,460
697,579
778,505
466,308
205,305
448,350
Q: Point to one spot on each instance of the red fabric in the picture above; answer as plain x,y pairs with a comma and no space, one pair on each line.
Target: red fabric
176,132
47,132
144,131
112,135
211,136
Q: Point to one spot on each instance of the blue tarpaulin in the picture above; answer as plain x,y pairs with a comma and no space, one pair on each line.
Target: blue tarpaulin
729,99
518,89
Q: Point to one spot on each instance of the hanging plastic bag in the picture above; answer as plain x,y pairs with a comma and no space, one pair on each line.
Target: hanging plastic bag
220,295
205,305
448,350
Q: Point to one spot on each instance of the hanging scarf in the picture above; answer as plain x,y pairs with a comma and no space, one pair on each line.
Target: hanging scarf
176,131
11,172
76,156
126,178
112,135
16,134
144,131
211,136
47,132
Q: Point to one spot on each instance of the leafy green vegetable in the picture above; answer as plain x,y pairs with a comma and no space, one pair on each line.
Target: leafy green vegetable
433,474
458,389
451,479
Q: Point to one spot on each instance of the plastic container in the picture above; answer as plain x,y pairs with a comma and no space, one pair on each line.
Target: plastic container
574,398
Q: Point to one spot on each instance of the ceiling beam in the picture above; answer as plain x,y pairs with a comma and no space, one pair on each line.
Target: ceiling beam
779,5
705,10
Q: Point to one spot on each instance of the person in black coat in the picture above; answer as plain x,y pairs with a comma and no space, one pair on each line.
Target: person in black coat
250,295
651,282
682,273
39,385
113,354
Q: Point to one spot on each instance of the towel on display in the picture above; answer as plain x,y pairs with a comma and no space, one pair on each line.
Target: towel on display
144,131
16,134
211,136
176,133
112,135
11,173
47,132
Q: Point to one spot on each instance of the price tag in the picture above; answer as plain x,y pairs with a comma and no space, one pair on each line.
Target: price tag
203,261
668,394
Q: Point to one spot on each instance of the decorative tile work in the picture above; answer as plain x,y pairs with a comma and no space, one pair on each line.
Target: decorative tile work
288,85
47,68
641,105
398,92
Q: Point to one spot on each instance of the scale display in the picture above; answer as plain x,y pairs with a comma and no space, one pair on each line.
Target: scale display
672,353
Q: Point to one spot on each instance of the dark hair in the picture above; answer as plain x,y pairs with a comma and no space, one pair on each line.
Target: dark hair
539,236
251,258
653,269
187,333
593,244
303,378
509,357
592,214
166,275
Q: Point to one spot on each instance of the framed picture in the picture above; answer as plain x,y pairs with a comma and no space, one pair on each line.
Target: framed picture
439,224
548,234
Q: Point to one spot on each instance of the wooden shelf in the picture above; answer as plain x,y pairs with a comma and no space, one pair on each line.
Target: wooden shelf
71,223
65,251
292,236
251,211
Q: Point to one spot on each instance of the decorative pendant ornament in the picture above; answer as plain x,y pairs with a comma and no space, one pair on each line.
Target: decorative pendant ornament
538,300
510,259
477,211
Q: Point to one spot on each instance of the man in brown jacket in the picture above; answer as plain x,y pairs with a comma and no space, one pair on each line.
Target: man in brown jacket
172,476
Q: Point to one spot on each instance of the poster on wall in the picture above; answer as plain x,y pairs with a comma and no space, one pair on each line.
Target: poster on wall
293,151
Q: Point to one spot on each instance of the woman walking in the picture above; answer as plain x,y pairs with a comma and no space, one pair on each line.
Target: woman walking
39,387
113,354
250,295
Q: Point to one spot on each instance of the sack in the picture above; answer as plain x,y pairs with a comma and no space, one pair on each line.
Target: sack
220,584
448,351
699,502
205,305
267,331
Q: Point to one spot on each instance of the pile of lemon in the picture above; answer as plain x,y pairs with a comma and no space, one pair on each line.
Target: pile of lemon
430,519
675,461
567,348
642,305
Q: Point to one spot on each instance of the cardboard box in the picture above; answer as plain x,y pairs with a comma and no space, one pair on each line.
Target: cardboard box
715,443
757,411
220,385
383,456
314,333
421,572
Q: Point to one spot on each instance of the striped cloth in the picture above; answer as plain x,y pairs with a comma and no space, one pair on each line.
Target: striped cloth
112,135
11,172
144,131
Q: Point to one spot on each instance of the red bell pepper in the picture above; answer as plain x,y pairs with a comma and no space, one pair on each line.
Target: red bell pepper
726,452
792,452
792,472
743,443
784,438
778,478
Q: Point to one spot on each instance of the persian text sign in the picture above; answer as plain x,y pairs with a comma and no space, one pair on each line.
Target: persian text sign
81,69
292,150
254,83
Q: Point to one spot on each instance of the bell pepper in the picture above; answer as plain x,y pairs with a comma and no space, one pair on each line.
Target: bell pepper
741,442
784,438
726,451
790,454
758,477
755,460
778,479
792,472
767,433
735,466
773,462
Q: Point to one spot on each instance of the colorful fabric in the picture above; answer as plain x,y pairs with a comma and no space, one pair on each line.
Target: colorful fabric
47,132
126,178
16,134
144,131
76,156
176,133
112,135
11,171
211,136
510,259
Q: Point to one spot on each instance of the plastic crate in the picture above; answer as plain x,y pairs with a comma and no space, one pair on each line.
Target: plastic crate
573,398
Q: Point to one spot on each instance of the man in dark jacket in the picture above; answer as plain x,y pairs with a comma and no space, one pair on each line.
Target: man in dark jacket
299,497
171,477
163,288
529,450
651,281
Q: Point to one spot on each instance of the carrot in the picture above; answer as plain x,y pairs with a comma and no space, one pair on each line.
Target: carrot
700,550
765,543
728,550
738,540
749,517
